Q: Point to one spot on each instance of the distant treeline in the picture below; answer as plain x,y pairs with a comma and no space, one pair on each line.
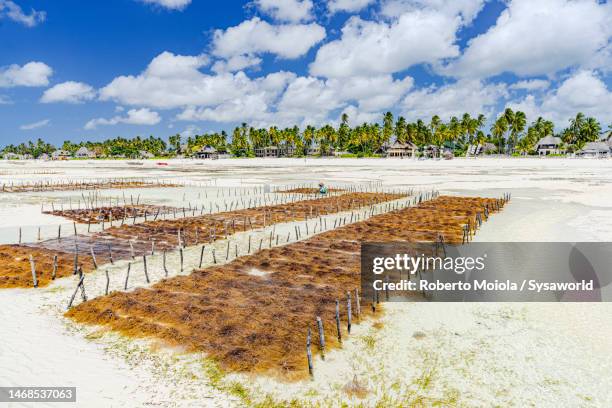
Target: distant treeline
510,133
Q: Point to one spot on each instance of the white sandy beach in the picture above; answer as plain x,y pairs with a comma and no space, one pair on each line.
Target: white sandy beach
463,354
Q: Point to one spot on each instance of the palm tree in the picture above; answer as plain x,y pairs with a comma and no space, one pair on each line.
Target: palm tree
498,130
509,116
344,132
455,130
469,126
575,128
434,124
590,130
519,120
388,126
401,129
175,142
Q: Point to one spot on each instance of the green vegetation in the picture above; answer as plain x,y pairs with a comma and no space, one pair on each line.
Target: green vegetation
508,134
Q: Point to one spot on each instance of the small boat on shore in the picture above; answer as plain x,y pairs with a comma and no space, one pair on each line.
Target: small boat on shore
135,163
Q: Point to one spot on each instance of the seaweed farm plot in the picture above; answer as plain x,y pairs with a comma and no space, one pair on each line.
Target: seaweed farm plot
109,213
308,190
127,241
18,262
43,186
254,314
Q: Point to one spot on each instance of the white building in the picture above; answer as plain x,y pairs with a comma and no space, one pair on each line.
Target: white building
84,153
594,149
549,145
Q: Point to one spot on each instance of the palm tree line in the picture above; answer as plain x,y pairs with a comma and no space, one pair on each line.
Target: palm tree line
116,147
509,133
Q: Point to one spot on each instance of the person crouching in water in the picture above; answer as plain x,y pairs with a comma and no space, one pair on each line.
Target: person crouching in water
322,189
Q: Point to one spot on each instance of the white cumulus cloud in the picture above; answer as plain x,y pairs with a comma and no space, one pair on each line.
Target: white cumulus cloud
255,36
70,92
169,4
175,81
236,63
143,116
537,38
531,84
471,96
286,10
31,74
11,10
349,6
584,91
467,10
374,48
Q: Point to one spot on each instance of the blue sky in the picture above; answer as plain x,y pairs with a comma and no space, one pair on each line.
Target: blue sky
91,70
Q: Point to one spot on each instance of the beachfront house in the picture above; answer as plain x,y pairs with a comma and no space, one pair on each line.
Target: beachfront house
549,145
84,153
594,149
317,150
275,151
12,156
143,154
402,150
478,149
60,155
606,137
430,151
207,152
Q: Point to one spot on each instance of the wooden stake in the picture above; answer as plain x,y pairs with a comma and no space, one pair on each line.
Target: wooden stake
93,257
146,272
75,291
54,273
338,321
110,255
181,253
33,267
321,337
201,256
309,352
348,310
127,276
358,303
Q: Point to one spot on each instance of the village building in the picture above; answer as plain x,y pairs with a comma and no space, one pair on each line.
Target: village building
398,149
430,151
478,149
84,153
275,151
594,149
320,151
143,154
207,152
12,156
60,155
549,145
606,137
